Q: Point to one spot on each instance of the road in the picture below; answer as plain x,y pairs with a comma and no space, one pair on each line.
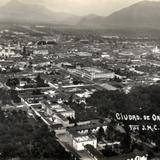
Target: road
65,142
63,139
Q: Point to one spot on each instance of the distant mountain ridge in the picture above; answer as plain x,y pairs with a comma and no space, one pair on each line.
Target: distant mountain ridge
15,10
91,21
145,14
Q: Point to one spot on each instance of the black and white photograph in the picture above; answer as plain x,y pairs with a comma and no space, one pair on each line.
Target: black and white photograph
79,79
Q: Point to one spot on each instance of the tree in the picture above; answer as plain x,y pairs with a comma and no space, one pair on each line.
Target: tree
108,152
14,96
116,79
12,82
76,82
5,96
126,142
100,134
36,92
40,81
107,101
24,138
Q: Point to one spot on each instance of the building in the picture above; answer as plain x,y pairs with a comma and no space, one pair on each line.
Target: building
13,108
7,52
156,50
64,110
92,126
94,73
80,142
84,54
41,52
60,113
32,99
125,55
60,119
84,133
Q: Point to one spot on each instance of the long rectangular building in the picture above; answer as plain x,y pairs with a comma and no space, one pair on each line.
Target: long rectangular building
94,73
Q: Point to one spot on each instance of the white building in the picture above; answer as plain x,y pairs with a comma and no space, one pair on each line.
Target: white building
41,52
84,134
60,113
64,110
94,73
80,142
105,55
60,119
156,50
7,52
84,54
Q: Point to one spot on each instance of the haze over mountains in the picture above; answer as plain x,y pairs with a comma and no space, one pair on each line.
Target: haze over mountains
145,14
17,11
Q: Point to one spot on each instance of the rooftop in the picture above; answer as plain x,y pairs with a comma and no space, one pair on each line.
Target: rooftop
91,125
84,138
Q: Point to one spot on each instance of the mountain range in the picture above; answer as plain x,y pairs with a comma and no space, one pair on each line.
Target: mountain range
16,11
145,14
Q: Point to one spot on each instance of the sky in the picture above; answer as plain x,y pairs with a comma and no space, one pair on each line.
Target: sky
83,7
